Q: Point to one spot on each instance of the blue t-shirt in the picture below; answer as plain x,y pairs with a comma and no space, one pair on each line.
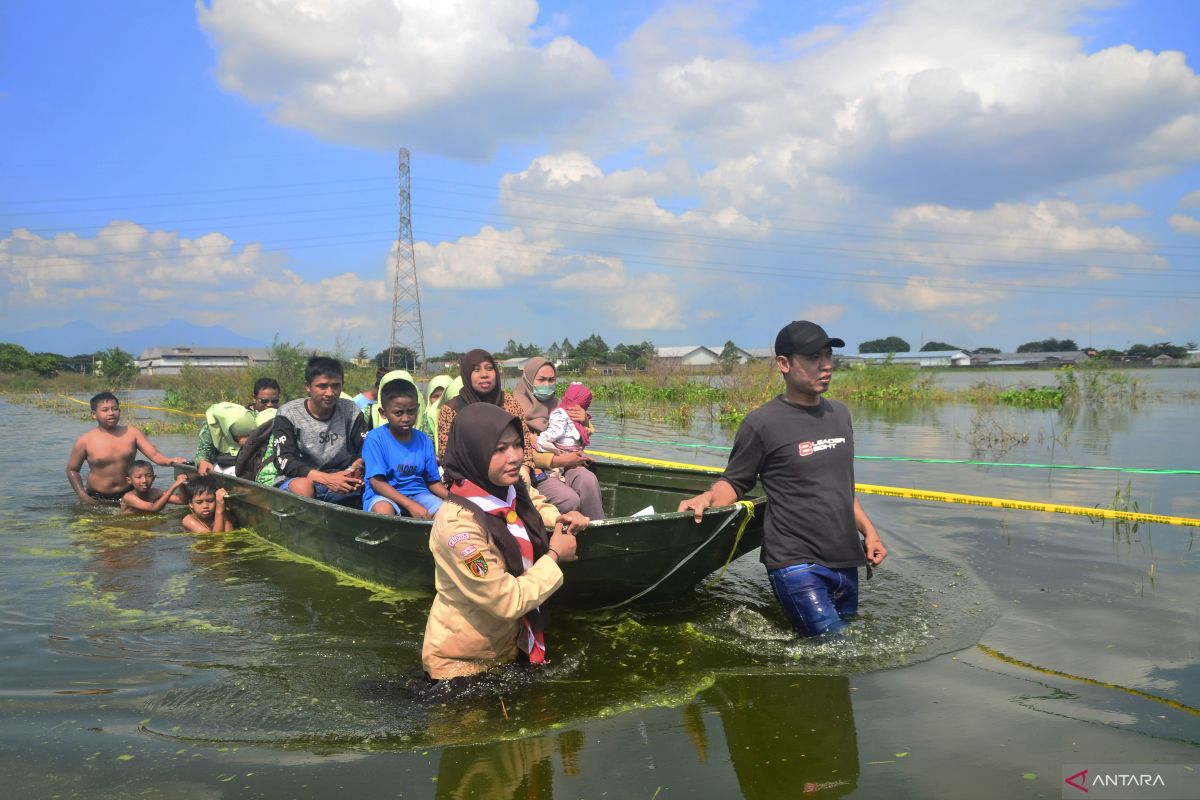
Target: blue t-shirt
409,466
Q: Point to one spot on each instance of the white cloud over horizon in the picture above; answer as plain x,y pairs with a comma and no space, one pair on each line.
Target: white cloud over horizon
158,275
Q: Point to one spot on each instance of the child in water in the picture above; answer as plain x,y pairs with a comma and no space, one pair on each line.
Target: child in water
142,497
109,449
207,503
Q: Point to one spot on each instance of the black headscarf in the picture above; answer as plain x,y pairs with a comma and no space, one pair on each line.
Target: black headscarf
473,438
468,395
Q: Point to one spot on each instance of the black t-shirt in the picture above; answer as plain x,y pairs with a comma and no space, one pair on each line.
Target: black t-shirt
805,456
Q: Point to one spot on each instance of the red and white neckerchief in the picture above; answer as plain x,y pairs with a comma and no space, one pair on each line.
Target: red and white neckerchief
532,640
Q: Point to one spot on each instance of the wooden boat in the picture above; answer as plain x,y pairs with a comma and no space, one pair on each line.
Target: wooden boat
645,559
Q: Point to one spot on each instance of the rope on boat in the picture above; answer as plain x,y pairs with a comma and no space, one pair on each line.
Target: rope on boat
923,460
134,405
749,506
949,497
730,518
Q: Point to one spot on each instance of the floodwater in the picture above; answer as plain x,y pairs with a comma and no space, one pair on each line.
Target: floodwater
994,646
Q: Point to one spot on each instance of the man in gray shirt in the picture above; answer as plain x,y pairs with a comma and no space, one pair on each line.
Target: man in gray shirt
318,439
802,447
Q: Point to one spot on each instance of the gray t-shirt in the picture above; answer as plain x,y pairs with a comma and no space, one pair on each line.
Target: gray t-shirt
805,457
304,443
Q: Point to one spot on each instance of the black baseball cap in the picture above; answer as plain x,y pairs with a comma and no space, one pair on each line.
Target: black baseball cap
804,338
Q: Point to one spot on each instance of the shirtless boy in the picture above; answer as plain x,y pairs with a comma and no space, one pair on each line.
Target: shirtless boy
207,503
109,451
142,497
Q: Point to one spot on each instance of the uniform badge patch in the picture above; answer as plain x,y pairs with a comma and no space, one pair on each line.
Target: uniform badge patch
477,564
456,538
468,551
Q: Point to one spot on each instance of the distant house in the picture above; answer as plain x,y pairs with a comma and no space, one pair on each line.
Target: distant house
1057,359
170,360
688,356
929,358
742,355
1165,360
513,366
759,353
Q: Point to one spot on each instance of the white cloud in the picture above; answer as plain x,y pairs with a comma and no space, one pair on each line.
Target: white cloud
822,314
1115,211
1190,200
920,294
131,273
454,77
1185,224
494,260
964,103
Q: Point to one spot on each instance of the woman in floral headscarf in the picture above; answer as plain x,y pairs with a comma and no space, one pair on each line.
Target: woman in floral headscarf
480,384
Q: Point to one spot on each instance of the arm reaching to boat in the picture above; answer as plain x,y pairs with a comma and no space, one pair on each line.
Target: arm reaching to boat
720,493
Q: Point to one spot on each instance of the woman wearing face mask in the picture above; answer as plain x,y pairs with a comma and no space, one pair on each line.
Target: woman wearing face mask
495,565
577,488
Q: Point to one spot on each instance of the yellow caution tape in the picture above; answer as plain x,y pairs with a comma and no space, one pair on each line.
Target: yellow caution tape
1024,505
948,497
134,405
1016,662
656,462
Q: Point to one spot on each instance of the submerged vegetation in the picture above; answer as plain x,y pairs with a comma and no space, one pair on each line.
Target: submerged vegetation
674,394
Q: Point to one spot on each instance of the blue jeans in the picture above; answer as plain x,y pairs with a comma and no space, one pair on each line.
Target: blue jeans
325,494
816,599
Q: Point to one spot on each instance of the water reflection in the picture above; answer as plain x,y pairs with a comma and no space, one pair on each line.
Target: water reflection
789,734
511,769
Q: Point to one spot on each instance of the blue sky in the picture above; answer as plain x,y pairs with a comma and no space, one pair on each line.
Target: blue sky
977,173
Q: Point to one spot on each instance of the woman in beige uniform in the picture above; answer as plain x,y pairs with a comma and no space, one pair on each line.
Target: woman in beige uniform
495,564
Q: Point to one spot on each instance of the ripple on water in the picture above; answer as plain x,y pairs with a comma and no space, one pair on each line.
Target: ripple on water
353,693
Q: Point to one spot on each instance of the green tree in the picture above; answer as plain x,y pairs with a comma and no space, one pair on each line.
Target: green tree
117,367
286,366
1048,346
930,347
591,349
730,357
397,358
1156,350
892,344
635,356
982,350
361,355
568,349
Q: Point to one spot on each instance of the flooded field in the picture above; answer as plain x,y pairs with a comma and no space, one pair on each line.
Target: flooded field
994,646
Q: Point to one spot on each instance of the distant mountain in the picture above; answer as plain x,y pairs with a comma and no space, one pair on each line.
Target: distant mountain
84,337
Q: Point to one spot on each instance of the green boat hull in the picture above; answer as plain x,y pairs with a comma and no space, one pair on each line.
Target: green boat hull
645,559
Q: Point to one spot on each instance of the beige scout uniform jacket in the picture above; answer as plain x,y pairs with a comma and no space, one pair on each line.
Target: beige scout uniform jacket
475,618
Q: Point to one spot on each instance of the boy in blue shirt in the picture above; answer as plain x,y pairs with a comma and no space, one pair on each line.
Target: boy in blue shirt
401,468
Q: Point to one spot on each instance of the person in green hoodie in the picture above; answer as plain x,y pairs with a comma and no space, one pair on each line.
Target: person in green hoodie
225,428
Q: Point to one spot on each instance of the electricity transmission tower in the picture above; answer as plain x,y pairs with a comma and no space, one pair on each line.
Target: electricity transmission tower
407,331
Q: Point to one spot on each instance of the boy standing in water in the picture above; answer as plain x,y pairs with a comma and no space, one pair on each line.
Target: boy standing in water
815,534
142,497
109,451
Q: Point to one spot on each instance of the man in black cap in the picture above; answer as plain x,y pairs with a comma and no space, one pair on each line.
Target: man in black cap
815,534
